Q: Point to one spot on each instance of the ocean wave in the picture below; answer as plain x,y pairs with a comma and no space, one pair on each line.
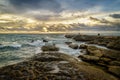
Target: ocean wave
10,47
34,43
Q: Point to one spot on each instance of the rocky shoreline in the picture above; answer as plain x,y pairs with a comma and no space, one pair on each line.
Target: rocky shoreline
105,59
112,42
97,64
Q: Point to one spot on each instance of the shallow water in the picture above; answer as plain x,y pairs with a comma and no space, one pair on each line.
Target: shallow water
17,47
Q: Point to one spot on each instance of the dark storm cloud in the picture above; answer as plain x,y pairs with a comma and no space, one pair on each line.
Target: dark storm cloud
52,5
100,20
86,4
52,9
115,15
21,6
117,23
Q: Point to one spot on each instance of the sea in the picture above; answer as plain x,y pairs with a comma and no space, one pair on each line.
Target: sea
15,48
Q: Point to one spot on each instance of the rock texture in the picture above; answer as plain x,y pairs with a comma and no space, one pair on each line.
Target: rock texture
112,42
73,46
49,48
53,66
108,59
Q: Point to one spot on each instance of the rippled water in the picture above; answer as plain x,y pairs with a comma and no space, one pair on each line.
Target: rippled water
17,47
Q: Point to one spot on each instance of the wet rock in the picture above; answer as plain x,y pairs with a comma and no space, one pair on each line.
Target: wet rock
49,48
68,43
73,46
83,46
83,38
84,51
44,40
69,35
46,58
92,50
35,69
115,70
100,52
89,58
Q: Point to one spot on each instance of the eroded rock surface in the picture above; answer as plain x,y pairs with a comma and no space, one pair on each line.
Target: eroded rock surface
53,66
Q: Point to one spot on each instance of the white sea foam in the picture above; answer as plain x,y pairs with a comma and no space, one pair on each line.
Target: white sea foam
10,46
36,43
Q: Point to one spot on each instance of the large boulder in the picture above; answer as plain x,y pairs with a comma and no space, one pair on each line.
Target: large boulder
49,48
73,46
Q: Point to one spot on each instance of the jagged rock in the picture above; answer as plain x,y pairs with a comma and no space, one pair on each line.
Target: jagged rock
49,48
73,46
115,70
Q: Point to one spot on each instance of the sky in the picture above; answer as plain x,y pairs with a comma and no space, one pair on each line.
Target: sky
59,15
